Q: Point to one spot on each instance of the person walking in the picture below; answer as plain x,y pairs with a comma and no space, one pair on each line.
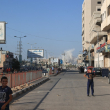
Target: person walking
7,70
52,70
90,82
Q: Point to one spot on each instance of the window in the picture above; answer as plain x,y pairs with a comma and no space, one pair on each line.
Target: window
98,9
108,10
99,2
83,38
83,12
82,33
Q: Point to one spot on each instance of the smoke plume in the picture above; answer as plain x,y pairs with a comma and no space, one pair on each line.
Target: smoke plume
68,57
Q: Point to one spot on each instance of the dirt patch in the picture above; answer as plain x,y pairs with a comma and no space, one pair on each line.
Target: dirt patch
17,88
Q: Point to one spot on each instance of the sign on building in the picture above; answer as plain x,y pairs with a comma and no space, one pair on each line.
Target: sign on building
2,32
36,53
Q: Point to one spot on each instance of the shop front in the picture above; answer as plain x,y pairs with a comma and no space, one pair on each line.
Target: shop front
107,56
99,55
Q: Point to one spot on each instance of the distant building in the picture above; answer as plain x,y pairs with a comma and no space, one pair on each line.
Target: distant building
80,60
6,58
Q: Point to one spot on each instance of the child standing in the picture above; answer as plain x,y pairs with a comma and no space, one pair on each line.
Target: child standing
5,94
90,82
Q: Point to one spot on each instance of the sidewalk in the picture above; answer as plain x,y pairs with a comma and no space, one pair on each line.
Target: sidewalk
29,86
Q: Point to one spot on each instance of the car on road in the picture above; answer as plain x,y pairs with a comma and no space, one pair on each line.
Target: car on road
97,71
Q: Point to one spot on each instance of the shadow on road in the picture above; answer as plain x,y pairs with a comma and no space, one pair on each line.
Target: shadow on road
102,95
72,71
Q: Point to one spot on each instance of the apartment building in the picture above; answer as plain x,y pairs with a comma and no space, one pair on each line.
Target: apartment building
105,26
97,38
88,9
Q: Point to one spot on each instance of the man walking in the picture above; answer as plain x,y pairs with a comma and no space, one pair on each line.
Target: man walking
90,82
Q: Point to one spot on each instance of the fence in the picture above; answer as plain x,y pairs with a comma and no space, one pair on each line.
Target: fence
16,79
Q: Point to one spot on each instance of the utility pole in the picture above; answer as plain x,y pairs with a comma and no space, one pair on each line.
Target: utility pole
20,48
97,43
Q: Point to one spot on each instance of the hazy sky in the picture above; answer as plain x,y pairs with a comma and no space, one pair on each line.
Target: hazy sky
55,25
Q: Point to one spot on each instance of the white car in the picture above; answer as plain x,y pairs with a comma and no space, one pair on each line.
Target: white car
85,70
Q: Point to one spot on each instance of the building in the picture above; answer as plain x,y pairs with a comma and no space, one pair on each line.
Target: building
105,26
6,58
88,7
91,20
80,60
97,39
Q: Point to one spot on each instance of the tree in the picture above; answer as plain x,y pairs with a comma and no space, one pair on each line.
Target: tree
15,64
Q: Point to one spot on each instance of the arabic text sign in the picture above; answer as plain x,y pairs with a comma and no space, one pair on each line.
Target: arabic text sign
37,53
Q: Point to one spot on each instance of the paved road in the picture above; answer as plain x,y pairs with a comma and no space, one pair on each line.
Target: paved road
66,91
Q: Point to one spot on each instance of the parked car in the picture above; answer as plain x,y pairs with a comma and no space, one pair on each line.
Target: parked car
85,69
97,71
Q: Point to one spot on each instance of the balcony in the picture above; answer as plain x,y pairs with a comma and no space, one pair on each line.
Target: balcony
105,26
95,24
94,35
95,19
105,11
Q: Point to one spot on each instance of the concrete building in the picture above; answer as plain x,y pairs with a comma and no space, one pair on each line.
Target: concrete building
97,36
91,20
80,60
105,26
88,7
6,58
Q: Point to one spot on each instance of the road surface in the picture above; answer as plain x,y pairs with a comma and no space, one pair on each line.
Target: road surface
66,91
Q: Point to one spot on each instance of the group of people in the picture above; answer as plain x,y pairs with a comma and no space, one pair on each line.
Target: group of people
8,70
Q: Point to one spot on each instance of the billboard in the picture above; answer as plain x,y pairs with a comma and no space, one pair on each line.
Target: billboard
54,60
35,53
2,32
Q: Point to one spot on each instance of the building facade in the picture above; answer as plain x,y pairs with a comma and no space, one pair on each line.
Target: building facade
105,26
94,34
88,7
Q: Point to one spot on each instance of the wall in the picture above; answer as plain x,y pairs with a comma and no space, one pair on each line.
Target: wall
16,79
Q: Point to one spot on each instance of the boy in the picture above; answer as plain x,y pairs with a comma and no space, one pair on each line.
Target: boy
5,94
90,82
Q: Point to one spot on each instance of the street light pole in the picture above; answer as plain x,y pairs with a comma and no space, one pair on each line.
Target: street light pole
97,43
89,54
98,46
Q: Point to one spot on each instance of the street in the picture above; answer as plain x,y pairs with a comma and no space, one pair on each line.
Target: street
66,91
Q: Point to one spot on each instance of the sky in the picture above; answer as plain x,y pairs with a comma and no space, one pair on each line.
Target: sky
52,25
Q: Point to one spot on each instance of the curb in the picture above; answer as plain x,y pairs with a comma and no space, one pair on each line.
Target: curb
28,88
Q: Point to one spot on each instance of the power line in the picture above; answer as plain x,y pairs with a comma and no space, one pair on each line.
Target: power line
41,37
